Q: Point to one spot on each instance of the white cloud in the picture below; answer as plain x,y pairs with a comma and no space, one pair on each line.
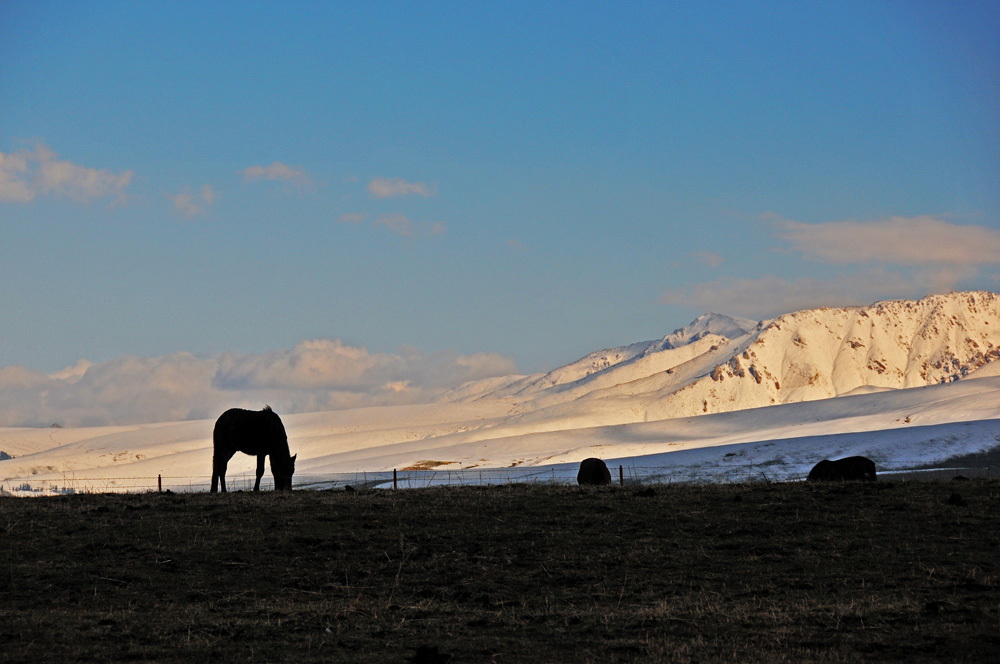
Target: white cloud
277,171
126,390
190,204
314,375
391,187
15,378
27,174
322,363
73,373
923,240
14,185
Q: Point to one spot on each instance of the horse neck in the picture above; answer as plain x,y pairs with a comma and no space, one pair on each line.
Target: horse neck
280,450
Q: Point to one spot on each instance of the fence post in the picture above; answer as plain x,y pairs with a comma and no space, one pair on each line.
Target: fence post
394,485
159,483
621,476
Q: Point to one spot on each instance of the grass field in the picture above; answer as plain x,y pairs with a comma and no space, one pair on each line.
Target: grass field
894,571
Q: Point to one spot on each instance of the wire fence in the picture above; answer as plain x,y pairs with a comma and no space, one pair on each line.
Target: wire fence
624,475
390,479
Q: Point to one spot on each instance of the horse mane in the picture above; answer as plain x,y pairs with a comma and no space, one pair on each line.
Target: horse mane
277,420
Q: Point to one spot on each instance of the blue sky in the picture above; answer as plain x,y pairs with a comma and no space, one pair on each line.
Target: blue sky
532,181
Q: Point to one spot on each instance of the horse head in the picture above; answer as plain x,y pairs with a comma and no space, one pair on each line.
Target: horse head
283,474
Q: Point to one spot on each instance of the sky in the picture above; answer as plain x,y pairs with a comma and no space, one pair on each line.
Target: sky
324,205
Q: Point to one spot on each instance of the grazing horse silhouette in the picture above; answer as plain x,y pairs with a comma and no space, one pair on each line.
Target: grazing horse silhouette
593,471
851,468
258,433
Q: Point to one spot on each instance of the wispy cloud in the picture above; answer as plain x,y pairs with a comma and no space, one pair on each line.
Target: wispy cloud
397,223
392,187
402,225
27,174
899,256
923,240
352,218
295,176
708,258
191,205
322,374
767,296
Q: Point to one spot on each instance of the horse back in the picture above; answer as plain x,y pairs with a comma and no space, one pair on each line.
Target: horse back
253,432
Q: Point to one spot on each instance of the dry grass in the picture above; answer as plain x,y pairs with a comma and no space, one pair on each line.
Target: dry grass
901,571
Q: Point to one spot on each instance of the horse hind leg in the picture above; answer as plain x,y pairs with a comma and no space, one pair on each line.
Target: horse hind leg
219,474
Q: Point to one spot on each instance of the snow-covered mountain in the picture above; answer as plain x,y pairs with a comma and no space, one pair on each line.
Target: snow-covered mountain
721,364
712,326
704,325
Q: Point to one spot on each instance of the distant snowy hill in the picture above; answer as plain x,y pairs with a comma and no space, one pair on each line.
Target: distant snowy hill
721,364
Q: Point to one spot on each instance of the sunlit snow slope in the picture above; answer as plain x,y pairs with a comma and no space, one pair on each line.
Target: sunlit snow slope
720,364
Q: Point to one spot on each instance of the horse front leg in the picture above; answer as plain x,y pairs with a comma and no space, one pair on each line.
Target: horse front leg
260,471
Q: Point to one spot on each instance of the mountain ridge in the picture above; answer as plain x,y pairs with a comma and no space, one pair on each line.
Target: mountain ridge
721,364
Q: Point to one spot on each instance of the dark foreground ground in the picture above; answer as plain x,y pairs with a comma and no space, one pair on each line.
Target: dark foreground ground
895,571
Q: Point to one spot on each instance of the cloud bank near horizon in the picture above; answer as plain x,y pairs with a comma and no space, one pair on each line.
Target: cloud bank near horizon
322,374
